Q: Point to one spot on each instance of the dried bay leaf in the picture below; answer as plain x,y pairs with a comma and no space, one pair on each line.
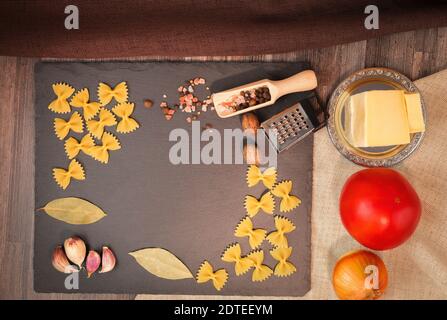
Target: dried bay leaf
162,263
74,211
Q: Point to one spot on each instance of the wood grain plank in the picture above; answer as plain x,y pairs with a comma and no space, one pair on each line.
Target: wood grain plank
22,195
424,52
440,57
415,53
395,51
6,132
14,258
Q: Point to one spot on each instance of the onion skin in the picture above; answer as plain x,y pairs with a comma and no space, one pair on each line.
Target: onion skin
349,276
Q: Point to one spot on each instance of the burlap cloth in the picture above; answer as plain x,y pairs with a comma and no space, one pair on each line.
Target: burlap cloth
418,268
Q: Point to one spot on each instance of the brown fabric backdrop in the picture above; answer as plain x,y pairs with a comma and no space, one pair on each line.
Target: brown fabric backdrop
190,28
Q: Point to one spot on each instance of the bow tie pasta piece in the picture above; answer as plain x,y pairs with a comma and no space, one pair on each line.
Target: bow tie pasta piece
233,254
62,127
96,127
254,175
73,146
63,177
261,272
245,229
206,273
81,99
63,92
253,205
283,268
109,143
106,93
123,111
278,238
288,202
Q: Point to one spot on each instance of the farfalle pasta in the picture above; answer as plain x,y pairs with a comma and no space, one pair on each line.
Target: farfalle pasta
206,273
62,91
96,127
74,171
81,99
123,111
101,152
245,229
106,93
253,205
288,202
73,146
96,120
278,238
255,175
63,127
234,254
261,272
283,268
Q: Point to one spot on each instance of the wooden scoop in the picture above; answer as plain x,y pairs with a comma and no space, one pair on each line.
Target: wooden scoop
303,81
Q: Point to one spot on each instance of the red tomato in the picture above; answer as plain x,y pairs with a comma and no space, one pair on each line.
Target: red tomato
379,208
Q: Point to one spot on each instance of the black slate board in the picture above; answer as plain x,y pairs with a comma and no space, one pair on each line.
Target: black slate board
190,210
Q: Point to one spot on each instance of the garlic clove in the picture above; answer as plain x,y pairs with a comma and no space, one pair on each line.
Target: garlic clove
60,261
108,260
92,262
75,250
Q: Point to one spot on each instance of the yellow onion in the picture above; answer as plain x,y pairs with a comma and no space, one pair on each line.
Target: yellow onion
360,275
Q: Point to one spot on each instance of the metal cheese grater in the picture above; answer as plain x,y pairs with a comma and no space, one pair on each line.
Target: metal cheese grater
290,125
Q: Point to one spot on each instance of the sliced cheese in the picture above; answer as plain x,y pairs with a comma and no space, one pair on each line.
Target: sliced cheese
355,121
414,112
379,118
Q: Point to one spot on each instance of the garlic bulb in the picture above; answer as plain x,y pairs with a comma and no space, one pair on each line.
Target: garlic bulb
60,261
108,260
92,262
75,250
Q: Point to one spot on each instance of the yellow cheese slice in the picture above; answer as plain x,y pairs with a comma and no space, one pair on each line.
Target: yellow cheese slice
414,111
355,121
379,118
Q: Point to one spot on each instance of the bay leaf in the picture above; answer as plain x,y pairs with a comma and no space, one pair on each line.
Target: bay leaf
162,263
74,211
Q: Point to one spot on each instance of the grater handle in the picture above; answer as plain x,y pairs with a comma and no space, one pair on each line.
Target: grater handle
302,81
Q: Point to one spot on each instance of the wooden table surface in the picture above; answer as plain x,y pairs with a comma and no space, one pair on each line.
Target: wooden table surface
415,54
